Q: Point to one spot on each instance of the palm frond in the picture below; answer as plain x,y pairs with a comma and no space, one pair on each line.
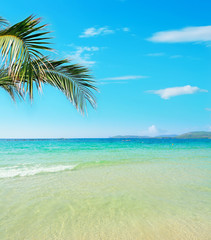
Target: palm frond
3,22
7,83
21,46
74,81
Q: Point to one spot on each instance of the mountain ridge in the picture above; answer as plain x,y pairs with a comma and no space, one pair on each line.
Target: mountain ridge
188,135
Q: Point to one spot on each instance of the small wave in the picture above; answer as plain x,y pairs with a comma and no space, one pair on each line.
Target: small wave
10,172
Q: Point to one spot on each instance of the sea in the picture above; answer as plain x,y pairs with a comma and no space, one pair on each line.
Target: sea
105,189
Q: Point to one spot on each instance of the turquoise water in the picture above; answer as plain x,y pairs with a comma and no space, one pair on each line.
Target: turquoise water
105,189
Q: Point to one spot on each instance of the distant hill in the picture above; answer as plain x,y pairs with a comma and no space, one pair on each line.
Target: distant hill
195,135
189,135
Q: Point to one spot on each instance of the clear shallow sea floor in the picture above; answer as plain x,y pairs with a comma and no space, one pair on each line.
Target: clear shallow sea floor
149,192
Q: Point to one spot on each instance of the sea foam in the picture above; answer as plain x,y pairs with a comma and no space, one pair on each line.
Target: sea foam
15,171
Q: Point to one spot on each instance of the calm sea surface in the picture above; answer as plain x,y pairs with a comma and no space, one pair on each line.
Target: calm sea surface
96,189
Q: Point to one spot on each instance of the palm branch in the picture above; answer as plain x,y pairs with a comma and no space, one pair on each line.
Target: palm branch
3,22
7,83
72,79
22,46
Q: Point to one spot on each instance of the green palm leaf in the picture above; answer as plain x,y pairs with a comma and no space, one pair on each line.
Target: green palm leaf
7,83
74,81
21,46
3,22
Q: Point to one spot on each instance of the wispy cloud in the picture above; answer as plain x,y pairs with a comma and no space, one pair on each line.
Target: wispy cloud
120,79
127,77
188,34
176,91
159,54
91,32
126,29
208,109
83,55
109,82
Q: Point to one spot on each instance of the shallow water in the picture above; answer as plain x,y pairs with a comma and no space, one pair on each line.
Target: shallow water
105,189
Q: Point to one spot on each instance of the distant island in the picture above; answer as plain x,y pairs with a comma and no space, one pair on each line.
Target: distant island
195,135
189,135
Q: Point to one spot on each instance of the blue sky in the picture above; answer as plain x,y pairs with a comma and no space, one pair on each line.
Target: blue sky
151,60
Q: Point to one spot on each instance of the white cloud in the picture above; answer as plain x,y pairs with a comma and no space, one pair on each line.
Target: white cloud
155,54
152,130
91,32
176,91
128,77
126,29
83,55
120,79
208,109
188,34
160,54
109,82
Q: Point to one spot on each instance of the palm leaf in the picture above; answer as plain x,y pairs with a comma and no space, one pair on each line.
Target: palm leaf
74,81
3,22
7,83
21,46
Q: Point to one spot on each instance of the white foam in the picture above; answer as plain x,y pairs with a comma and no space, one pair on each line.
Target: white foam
10,172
